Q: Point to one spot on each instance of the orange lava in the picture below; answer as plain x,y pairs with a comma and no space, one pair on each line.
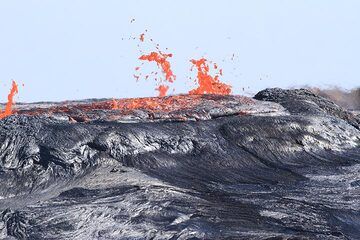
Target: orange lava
165,104
162,90
207,83
10,102
114,104
161,60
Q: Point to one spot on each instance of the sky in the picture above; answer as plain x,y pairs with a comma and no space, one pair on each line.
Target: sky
77,49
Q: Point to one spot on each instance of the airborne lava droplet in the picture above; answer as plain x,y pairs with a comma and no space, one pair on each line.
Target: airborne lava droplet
136,77
207,83
10,102
142,37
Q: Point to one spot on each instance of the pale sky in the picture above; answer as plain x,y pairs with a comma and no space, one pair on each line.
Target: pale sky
76,49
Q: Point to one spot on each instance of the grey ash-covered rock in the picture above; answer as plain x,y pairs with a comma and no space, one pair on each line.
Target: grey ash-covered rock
285,165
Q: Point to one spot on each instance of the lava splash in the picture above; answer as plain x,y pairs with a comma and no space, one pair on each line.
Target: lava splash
10,102
162,90
161,60
207,83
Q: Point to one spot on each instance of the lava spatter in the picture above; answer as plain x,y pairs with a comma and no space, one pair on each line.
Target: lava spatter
142,37
207,83
136,77
162,90
10,102
162,62
161,59
114,104
152,104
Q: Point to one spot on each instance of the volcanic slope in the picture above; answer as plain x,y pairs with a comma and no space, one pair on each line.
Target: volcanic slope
283,165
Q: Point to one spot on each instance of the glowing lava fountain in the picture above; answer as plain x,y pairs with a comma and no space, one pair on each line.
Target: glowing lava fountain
10,102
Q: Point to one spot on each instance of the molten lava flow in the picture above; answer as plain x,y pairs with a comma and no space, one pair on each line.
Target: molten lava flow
207,83
162,90
10,102
165,104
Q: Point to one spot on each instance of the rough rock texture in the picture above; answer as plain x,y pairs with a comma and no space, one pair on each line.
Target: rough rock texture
287,167
310,103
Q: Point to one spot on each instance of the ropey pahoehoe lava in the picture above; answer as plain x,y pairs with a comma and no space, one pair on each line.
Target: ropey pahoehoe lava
282,165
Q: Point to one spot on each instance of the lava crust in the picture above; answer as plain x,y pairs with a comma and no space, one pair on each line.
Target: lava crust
284,165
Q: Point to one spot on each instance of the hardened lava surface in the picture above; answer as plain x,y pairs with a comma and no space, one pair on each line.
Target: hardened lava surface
283,165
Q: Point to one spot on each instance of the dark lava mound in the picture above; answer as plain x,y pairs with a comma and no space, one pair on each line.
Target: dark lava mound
284,165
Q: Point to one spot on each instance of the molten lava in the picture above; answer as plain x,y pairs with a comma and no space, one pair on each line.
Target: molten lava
162,90
10,102
152,104
207,83
162,62
114,104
